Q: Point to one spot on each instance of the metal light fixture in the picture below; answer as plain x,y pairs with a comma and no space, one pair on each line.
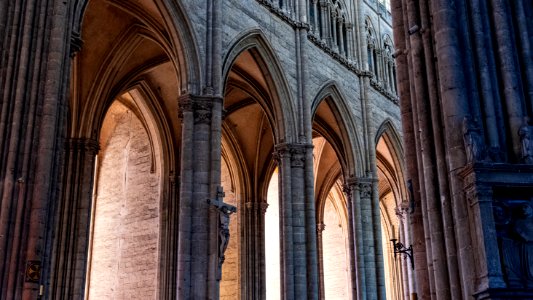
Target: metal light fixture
401,249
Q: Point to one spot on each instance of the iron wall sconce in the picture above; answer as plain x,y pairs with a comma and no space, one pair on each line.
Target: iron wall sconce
401,249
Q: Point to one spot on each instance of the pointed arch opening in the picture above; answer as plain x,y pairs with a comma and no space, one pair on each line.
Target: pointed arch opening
334,161
393,210
126,77
257,113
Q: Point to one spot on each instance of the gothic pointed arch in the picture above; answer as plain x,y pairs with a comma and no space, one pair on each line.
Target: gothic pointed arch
279,105
175,27
389,136
347,143
393,205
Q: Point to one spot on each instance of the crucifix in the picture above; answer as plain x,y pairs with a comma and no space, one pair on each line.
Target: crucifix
224,212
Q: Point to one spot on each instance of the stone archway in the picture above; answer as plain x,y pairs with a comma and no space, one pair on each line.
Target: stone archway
128,51
394,209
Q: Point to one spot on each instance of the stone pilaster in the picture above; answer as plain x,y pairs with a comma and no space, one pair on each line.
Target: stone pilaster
72,230
319,230
254,249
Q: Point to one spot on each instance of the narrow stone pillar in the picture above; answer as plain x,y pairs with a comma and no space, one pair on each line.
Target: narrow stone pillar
197,254
349,41
348,190
315,29
340,24
319,230
254,250
33,82
334,25
324,28
379,65
72,228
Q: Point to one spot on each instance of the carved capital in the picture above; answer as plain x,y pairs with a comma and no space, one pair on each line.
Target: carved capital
202,117
365,190
200,106
320,227
296,152
257,206
364,185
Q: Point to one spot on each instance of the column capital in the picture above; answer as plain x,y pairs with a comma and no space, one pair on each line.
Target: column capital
363,185
295,151
257,206
200,105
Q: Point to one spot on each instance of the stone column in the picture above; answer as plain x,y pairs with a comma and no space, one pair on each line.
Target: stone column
334,28
379,65
349,41
298,248
348,190
72,228
324,28
198,252
254,250
315,29
319,230
33,83
340,24
370,235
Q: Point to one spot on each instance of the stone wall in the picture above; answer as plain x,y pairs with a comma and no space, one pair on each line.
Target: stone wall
335,253
124,254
